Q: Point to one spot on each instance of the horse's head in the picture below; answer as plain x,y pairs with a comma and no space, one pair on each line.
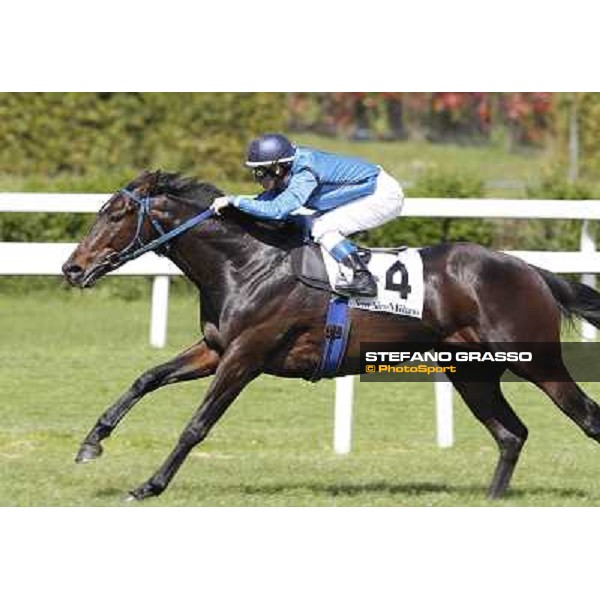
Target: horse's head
153,211
134,216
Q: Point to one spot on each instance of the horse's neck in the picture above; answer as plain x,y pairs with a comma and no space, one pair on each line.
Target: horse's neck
227,262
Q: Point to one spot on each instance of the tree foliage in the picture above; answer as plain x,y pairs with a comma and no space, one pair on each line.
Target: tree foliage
85,133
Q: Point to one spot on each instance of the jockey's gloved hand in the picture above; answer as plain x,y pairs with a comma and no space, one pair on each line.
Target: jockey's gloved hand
220,203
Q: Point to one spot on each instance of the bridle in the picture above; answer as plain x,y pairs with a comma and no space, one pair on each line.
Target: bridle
160,245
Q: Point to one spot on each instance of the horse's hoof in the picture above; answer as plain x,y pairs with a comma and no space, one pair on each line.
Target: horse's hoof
148,490
130,498
88,452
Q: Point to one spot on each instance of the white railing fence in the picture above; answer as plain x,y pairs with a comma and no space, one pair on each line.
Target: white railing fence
47,258
23,258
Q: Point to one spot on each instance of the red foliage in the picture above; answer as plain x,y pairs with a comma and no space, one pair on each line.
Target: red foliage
444,114
528,114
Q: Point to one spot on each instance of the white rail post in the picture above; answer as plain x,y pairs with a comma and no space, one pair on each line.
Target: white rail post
443,407
160,311
587,244
342,428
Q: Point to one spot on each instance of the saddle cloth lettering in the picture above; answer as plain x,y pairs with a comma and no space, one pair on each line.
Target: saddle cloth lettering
399,276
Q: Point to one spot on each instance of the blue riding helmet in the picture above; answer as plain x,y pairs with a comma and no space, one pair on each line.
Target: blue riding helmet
270,149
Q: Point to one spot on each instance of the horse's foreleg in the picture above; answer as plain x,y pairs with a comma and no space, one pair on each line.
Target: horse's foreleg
235,371
510,435
196,362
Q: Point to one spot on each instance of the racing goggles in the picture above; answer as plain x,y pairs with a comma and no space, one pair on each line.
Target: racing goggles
262,173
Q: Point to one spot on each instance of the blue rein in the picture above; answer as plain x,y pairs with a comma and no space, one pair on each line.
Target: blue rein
137,247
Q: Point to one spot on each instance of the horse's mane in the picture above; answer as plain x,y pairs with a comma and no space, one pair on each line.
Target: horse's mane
201,194
178,186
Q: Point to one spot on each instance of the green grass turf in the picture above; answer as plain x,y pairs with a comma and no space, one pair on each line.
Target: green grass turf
65,356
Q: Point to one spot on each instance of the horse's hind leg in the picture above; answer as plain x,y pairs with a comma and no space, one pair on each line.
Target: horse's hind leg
575,403
196,362
548,372
488,404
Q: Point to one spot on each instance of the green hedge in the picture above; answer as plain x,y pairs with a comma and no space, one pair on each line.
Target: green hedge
545,234
522,234
85,133
95,142
425,232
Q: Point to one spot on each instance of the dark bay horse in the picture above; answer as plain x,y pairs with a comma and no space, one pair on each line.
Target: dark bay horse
257,317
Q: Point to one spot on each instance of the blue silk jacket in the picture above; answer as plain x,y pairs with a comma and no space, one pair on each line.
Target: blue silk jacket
318,180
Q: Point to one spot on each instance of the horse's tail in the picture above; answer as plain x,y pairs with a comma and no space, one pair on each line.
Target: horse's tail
574,299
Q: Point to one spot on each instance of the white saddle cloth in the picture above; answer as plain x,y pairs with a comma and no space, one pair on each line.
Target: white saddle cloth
399,276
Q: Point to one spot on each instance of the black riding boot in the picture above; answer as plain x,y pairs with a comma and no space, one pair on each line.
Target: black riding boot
362,284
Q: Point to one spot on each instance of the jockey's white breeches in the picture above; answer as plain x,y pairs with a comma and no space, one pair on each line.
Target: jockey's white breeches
363,214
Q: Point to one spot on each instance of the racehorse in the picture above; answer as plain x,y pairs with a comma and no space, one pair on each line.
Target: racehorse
258,317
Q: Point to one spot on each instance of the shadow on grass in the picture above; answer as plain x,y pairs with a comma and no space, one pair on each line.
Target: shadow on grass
524,491
407,489
377,488
349,490
111,492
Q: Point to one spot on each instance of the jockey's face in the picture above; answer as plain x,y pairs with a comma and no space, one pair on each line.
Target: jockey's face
271,178
269,183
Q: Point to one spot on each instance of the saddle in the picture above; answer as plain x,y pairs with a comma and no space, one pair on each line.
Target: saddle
309,268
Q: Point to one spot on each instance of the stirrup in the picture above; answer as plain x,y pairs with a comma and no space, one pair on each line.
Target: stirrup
363,284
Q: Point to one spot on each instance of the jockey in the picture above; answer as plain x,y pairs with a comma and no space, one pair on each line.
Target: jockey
343,196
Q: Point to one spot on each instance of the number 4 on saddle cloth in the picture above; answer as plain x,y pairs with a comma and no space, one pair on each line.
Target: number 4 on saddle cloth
400,291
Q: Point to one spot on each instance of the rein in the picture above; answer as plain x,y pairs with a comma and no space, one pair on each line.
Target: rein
137,247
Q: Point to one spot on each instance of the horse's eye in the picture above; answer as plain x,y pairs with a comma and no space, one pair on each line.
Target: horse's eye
117,215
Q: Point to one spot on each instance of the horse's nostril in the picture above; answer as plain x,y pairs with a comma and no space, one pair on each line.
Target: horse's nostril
72,271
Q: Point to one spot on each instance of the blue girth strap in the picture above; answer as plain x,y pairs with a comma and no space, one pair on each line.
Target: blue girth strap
337,328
